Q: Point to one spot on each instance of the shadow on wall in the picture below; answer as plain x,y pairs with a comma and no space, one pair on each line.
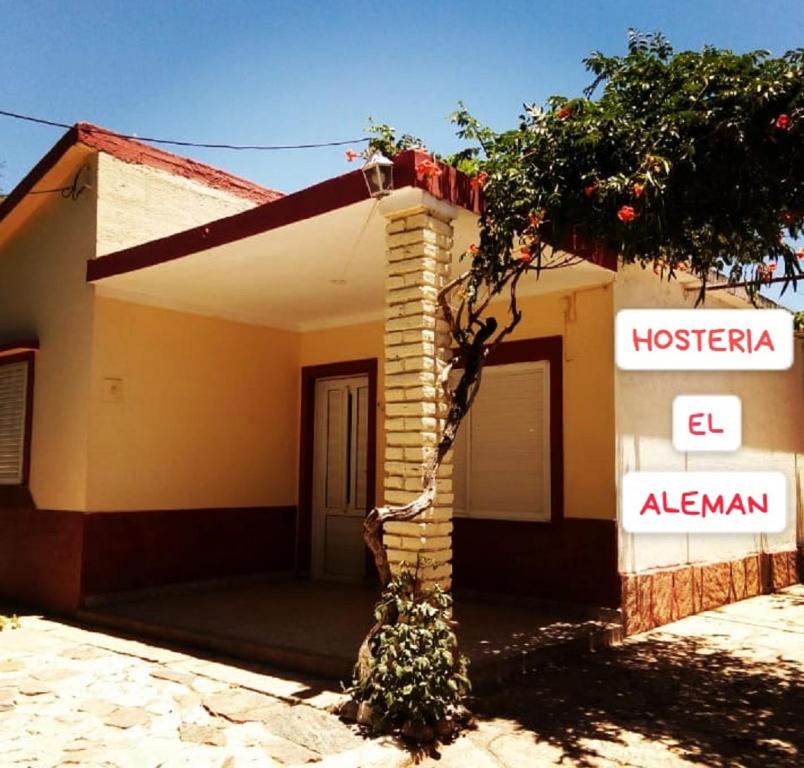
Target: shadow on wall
662,698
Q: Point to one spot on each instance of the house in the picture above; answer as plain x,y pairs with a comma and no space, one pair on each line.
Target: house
201,378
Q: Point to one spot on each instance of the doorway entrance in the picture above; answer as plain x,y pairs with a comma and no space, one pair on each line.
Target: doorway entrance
338,455
339,477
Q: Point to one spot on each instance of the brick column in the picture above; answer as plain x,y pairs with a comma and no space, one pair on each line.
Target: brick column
419,243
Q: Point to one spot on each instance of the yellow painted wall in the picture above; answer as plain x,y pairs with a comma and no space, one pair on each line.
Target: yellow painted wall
210,408
207,413
208,416
44,246
43,292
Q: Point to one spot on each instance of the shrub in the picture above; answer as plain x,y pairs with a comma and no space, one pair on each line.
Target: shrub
416,676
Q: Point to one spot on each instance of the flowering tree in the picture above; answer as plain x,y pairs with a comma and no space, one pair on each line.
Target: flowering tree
685,161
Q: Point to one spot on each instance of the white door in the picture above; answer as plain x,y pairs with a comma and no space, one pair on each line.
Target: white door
339,477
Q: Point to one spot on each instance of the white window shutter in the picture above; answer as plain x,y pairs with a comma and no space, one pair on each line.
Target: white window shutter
502,455
13,397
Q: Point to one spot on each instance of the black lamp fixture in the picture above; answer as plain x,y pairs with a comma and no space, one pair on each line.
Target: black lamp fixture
378,172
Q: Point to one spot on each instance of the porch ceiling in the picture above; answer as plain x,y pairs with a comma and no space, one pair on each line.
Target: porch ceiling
319,271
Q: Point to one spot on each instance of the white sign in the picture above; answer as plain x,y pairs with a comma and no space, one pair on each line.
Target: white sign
704,502
704,339
707,423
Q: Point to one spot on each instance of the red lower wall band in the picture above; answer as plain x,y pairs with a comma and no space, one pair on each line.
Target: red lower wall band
655,598
135,550
573,560
55,559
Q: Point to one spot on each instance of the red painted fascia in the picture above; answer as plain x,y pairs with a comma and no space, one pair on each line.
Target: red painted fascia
592,251
312,201
456,187
451,185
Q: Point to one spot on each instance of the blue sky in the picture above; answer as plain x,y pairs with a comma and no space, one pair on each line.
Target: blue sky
294,72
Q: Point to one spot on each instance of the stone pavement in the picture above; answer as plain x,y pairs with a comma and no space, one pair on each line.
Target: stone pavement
725,688
71,697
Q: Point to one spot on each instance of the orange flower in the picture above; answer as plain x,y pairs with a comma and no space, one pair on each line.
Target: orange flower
800,254
473,249
626,213
428,169
772,266
590,189
351,155
638,189
564,113
536,218
525,255
478,181
783,122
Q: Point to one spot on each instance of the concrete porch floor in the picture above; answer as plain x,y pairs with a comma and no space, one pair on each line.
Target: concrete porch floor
316,627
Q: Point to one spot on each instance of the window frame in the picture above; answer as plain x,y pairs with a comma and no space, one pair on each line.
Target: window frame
549,349
29,358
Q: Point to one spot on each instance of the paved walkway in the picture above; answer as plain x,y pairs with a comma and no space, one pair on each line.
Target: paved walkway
724,688
71,697
721,689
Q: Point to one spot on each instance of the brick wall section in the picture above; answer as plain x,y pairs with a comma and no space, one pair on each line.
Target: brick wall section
658,597
40,554
419,243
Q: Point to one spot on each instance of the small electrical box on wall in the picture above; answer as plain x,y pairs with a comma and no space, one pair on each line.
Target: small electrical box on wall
112,390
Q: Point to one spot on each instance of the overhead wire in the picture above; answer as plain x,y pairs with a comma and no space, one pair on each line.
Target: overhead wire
181,143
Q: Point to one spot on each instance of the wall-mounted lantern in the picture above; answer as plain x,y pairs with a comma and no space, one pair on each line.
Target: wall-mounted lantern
378,172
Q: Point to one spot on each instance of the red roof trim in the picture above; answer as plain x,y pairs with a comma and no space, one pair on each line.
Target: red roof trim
131,151
451,185
590,250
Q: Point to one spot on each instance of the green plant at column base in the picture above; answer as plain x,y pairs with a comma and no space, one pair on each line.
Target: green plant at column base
416,676
10,623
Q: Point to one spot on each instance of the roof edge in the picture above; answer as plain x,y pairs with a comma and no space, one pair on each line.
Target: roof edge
36,173
138,153
452,186
318,199
135,152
